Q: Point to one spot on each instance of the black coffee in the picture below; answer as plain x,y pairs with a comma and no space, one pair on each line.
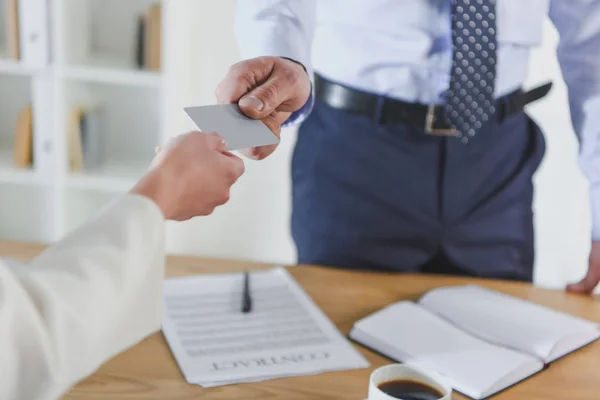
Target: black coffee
410,390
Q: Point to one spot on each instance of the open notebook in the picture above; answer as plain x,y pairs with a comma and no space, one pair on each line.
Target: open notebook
480,340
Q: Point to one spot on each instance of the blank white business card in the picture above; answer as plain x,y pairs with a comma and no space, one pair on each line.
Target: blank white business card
239,131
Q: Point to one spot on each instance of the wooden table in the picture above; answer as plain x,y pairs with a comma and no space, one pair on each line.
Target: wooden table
148,370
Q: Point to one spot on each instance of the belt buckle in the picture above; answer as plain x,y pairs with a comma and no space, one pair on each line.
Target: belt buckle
430,121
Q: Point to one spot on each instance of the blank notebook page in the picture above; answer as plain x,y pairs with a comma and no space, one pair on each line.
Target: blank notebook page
512,322
470,365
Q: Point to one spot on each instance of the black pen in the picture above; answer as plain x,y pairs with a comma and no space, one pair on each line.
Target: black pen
246,298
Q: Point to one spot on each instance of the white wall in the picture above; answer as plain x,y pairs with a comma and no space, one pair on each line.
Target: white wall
255,224
561,199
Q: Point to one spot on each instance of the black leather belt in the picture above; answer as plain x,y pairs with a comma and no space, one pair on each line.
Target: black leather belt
430,117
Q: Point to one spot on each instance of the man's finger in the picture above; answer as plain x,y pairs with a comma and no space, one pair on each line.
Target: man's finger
273,122
251,154
259,153
580,288
243,77
586,285
268,97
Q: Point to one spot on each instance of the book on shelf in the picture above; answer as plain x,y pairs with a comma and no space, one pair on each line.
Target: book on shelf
11,24
480,340
23,148
149,38
140,56
93,125
86,125
74,139
26,26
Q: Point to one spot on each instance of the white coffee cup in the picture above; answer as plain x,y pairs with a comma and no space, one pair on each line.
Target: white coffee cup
410,372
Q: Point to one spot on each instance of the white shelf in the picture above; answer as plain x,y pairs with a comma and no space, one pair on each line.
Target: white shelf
24,213
92,46
10,174
113,176
127,76
13,67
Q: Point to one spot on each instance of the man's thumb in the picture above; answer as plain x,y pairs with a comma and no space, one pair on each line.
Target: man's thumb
263,100
252,106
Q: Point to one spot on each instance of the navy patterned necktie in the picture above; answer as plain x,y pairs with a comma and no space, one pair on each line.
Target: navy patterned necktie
470,98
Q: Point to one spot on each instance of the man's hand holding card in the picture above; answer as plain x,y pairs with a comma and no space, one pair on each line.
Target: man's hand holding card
269,89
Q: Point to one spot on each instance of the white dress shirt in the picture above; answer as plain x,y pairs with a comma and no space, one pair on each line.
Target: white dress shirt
403,49
82,301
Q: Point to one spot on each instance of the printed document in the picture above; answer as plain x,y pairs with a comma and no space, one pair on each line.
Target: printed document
284,335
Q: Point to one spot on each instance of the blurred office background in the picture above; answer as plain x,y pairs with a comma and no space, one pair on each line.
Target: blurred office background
104,100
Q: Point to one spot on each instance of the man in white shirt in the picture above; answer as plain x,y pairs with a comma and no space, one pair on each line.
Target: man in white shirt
99,290
414,152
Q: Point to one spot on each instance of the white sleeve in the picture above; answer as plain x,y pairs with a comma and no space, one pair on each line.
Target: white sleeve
82,301
283,28
280,28
578,23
